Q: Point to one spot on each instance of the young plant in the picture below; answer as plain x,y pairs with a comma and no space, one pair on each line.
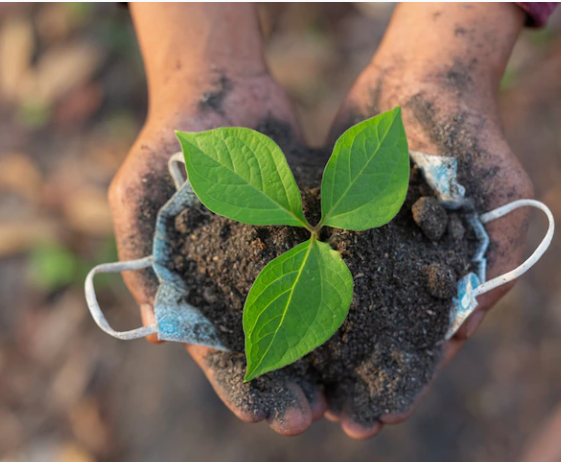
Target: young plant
301,297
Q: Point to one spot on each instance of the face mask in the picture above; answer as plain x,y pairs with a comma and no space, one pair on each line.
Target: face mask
441,175
177,321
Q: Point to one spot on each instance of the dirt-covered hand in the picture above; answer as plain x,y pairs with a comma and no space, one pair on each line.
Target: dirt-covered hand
143,185
436,63
205,69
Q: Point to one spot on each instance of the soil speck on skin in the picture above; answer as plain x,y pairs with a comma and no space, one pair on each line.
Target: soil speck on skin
458,77
460,31
387,348
431,217
212,100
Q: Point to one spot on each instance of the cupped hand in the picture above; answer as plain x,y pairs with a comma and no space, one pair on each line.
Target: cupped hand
446,83
142,185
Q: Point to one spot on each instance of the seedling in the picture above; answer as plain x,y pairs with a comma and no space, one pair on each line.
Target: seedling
303,296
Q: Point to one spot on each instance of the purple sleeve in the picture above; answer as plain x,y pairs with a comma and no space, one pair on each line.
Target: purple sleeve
537,12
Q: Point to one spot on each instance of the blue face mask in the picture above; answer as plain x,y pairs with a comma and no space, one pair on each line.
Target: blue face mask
441,175
177,321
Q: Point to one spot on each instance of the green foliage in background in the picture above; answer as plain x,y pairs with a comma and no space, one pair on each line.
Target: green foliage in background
303,296
54,266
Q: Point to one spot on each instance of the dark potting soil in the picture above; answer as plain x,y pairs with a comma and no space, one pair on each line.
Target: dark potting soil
404,273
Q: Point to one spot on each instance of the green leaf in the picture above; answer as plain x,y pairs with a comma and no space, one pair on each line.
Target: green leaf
243,175
365,181
296,303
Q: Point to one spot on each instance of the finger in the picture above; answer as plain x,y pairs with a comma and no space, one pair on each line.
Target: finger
357,431
471,324
349,419
295,420
199,353
449,350
252,404
397,417
319,406
331,416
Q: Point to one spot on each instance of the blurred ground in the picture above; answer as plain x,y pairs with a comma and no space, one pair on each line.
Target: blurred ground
72,98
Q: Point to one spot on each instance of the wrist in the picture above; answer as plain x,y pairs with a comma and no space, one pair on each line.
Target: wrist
436,41
195,44
217,98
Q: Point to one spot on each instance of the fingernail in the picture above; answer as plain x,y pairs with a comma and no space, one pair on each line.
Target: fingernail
473,322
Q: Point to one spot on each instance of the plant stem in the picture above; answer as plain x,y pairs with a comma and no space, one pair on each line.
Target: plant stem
314,230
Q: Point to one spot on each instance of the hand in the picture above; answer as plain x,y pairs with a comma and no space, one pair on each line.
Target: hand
192,96
436,63
142,186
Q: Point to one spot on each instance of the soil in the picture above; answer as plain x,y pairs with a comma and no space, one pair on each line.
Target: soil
430,216
386,350
212,100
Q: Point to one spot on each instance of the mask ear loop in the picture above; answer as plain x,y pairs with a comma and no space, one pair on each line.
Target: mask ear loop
544,244
117,267
93,304
175,171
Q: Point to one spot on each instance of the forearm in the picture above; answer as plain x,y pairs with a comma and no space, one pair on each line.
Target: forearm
434,38
190,42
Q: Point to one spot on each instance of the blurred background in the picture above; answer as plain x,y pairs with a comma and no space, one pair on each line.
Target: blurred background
72,99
